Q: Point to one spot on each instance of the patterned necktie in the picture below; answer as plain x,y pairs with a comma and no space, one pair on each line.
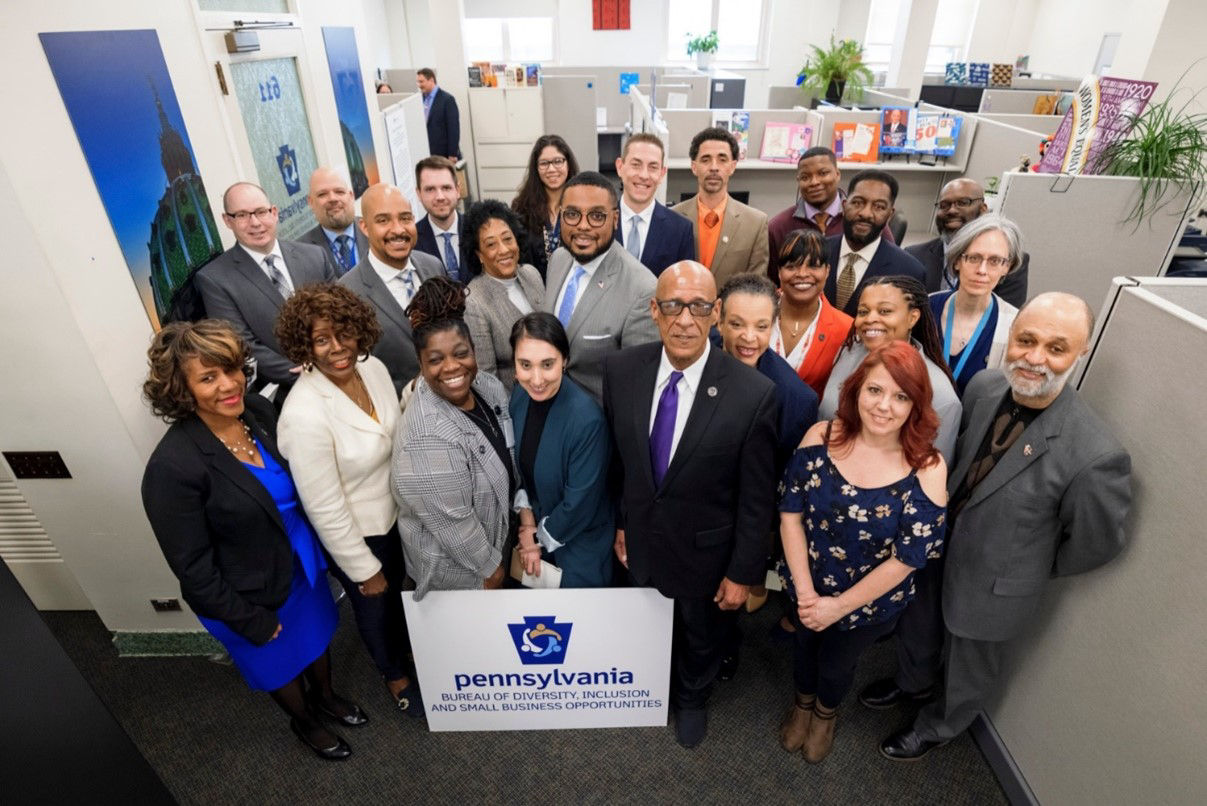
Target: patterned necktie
450,257
277,277
343,245
662,435
711,219
822,219
632,241
566,309
407,278
846,282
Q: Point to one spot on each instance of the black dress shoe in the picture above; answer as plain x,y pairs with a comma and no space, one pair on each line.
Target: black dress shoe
907,745
336,752
729,667
690,726
885,693
341,710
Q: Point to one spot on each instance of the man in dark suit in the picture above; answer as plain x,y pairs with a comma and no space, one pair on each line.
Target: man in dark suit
330,199
441,231
960,201
694,431
247,283
861,251
443,119
649,231
1040,489
390,275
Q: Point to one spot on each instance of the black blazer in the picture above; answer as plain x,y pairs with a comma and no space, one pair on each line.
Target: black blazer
1012,288
709,518
670,239
427,243
218,527
889,259
444,126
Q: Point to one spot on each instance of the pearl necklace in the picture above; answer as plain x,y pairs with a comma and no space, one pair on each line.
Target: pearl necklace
250,450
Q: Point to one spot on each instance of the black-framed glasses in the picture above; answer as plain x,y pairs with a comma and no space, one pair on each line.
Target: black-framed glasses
596,217
556,162
260,212
960,204
698,308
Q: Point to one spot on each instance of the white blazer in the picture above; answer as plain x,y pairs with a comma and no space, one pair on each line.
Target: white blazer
339,458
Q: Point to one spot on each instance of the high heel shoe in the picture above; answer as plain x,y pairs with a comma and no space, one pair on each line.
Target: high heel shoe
336,752
341,710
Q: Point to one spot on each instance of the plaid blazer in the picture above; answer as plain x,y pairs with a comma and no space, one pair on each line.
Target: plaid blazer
453,492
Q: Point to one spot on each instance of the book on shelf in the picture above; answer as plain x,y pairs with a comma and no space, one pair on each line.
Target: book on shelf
785,142
856,142
737,123
936,133
896,129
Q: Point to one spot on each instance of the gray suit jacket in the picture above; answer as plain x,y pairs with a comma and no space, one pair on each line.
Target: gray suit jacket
396,349
317,237
1053,505
453,493
743,245
236,289
613,313
491,315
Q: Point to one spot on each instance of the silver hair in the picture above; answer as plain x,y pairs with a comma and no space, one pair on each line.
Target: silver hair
990,222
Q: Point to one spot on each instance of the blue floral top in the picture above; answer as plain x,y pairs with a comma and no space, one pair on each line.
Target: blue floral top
850,530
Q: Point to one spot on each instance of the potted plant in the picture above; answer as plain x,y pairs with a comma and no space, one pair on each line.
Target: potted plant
836,71
703,47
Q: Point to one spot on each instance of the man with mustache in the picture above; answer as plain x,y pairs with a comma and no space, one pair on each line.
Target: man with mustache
331,200
960,201
861,251
390,274
1040,488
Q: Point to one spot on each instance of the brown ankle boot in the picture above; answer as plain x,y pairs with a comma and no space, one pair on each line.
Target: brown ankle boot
820,738
795,726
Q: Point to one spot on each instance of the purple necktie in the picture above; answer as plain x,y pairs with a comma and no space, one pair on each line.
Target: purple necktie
662,435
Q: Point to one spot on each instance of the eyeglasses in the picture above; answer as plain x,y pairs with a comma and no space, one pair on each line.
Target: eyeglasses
972,261
961,204
556,162
673,307
596,217
261,213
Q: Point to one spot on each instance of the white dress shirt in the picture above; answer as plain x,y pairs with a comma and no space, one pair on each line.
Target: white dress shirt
797,356
626,222
278,260
515,294
861,265
589,269
440,233
395,280
689,384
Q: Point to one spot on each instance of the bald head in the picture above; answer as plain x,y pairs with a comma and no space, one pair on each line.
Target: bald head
330,199
686,273
389,224
960,201
1059,306
682,287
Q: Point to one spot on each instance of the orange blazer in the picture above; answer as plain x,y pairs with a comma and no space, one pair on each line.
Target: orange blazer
832,328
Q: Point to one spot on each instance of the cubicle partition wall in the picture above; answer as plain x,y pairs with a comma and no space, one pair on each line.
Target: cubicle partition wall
788,98
506,122
1073,227
569,102
1105,701
400,79
1043,124
998,148
1012,101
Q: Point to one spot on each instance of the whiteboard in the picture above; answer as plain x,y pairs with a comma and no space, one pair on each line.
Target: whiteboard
406,132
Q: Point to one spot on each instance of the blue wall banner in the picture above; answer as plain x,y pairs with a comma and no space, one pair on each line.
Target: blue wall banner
542,659
344,64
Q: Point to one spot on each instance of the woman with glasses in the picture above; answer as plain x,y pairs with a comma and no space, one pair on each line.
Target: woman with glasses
550,166
974,321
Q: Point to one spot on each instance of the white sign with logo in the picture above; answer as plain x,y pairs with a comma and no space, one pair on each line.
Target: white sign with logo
542,659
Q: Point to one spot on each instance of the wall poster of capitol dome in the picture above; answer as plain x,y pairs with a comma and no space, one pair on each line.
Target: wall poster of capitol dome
344,64
120,99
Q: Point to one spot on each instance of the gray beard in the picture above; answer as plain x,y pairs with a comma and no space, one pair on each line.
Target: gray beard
1050,386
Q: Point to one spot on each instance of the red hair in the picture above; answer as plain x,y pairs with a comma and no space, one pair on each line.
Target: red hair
908,370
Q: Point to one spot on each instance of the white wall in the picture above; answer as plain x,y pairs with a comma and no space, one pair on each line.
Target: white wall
1175,48
1066,36
74,328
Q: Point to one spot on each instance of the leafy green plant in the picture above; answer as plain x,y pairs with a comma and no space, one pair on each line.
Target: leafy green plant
702,44
841,63
1166,149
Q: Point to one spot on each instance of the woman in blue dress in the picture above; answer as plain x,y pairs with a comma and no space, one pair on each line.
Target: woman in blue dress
974,321
862,506
226,514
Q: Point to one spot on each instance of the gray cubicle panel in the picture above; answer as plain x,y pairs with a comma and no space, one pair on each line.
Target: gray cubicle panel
387,99
788,97
569,102
1050,84
1012,100
401,79
1105,700
999,147
1044,124
607,84
1073,227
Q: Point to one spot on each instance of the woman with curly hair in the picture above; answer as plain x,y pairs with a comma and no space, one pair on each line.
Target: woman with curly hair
539,198
452,471
222,505
503,288
862,507
337,429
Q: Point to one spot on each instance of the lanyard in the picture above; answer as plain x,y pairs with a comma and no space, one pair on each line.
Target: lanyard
967,351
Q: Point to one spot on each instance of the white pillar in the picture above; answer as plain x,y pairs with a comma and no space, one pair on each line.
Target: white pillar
914,27
445,18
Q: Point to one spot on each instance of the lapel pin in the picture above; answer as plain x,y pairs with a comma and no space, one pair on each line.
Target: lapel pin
1027,450
712,391
821,336
724,239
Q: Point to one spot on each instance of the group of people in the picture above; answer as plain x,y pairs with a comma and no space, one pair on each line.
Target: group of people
591,385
